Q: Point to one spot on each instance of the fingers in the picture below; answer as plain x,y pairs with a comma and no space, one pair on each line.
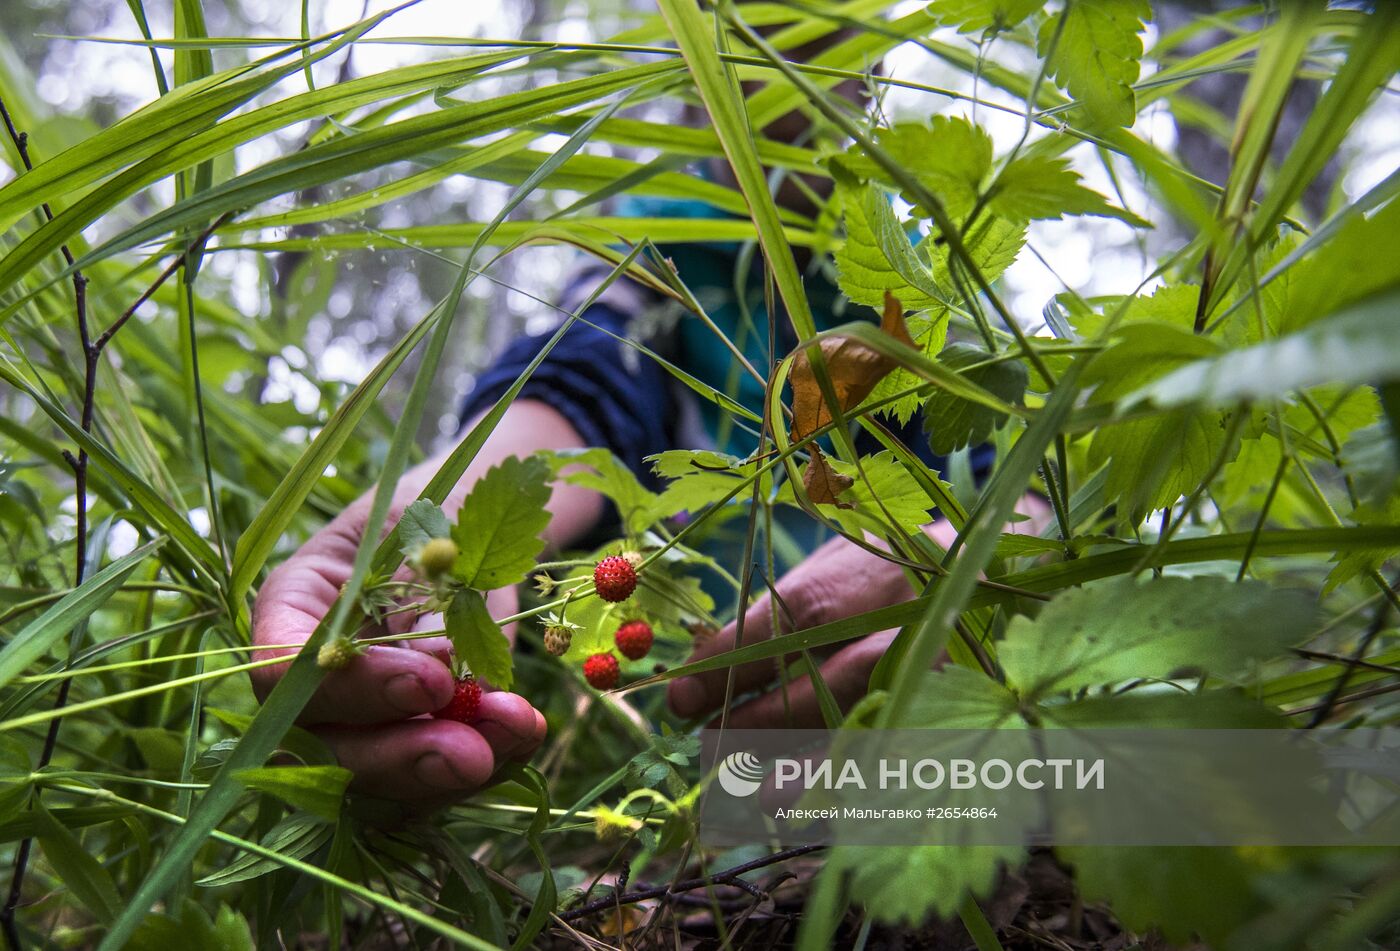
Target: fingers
297,595
846,674
415,759
837,580
381,685
510,724
693,696
427,760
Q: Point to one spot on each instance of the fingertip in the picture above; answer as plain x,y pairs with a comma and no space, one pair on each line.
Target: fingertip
380,685
460,759
510,724
687,697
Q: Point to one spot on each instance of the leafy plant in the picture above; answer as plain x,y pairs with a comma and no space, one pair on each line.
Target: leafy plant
1219,442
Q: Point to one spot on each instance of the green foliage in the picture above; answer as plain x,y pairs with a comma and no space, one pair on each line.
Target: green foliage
498,528
970,16
319,790
1216,432
477,640
1093,51
953,423
1120,630
1035,186
226,930
422,521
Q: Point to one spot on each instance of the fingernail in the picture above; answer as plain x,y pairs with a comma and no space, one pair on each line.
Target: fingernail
687,697
408,694
433,769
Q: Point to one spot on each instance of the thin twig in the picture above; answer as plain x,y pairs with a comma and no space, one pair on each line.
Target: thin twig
1323,710
727,877
79,464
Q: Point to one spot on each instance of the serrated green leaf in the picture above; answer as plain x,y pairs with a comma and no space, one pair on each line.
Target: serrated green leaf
477,640
1351,564
952,423
1155,460
1097,56
422,521
882,486
1354,346
1185,892
972,16
876,256
993,244
698,478
498,529
1122,630
956,698
1040,187
1163,708
600,470
319,790
893,884
951,156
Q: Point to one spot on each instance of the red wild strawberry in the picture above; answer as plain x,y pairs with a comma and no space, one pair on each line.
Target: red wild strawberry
615,578
633,639
600,671
466,698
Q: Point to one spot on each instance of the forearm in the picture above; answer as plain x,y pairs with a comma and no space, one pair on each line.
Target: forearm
528,426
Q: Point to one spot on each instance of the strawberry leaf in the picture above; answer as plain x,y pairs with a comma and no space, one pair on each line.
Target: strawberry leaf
421,522
477,640
1097,56
498,529
952,422
1120,629
972,16
1034,186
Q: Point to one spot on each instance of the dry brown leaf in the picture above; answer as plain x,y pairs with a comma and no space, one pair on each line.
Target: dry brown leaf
854,370
824,484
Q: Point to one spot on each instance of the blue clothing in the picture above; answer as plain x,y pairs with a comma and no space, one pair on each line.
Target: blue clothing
628,404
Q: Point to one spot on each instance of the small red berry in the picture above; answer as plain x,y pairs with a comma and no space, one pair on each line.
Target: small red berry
615,578
633,639
601,671
466,698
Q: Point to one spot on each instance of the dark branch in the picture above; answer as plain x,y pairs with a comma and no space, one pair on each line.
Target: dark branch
730,876
79,464
1323,710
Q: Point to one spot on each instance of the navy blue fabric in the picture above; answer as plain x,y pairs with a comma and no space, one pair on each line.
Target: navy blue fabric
617,403
626,405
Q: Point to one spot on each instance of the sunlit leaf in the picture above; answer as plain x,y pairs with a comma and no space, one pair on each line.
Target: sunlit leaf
499,525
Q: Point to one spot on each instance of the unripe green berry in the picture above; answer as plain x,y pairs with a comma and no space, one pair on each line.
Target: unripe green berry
556,639
437,557
336,654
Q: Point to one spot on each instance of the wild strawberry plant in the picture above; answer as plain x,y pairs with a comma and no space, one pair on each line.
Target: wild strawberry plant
1216,431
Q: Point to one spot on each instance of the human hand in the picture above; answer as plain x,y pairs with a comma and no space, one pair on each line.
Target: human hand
838,580
372,713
